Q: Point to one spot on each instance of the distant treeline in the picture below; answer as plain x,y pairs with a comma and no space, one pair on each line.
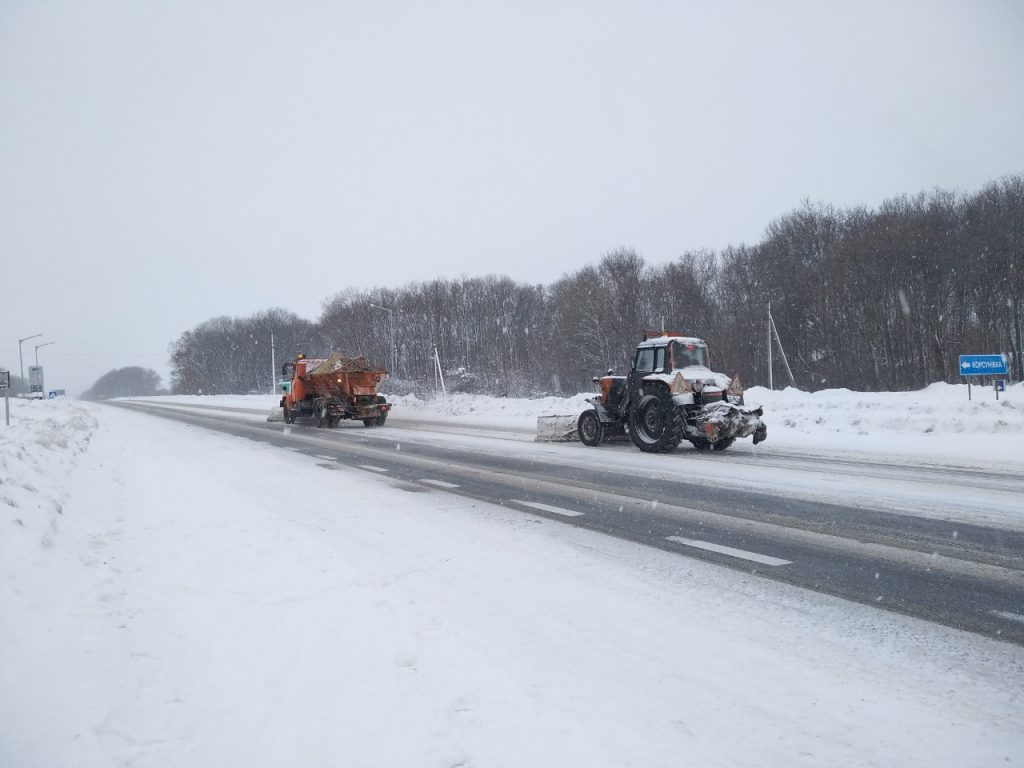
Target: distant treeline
882,299
124,382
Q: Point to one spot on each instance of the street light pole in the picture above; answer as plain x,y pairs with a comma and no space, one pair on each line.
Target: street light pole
40,346
394,349
21,364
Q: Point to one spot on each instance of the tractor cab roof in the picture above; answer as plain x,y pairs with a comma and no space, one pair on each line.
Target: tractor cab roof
662,339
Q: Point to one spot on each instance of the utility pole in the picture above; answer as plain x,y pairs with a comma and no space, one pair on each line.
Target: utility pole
772,329
273,366
439,373
771,383
394,349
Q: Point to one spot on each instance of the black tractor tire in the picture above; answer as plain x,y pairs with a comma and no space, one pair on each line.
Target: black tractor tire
370,422
655,424
383,415
704,445
289,416
589,428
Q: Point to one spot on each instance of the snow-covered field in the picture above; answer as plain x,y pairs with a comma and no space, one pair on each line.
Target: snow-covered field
174,597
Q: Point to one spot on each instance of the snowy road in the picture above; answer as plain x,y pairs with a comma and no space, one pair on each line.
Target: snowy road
172,595
940,542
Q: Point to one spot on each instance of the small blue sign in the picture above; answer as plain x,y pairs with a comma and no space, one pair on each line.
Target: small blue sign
983,365
1000,385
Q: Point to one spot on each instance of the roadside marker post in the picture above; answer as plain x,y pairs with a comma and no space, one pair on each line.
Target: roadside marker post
5,385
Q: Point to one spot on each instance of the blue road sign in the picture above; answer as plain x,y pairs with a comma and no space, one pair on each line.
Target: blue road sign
983,365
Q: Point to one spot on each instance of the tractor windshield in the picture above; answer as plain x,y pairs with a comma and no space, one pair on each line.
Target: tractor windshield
685,354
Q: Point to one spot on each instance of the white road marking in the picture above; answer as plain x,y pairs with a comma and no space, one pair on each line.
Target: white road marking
1008,615
731,551
438,483
372,468
547,508
325,458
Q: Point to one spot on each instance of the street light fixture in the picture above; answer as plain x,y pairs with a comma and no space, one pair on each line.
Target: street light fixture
40,346
394,349
21,363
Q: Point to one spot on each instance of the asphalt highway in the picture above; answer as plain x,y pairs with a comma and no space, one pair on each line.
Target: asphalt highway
962,575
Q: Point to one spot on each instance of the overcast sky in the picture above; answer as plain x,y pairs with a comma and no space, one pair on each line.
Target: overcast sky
162,163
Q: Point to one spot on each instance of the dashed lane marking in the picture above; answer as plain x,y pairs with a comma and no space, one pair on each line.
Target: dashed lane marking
372,468
325,458
1008,616
438,483
731,551
547,508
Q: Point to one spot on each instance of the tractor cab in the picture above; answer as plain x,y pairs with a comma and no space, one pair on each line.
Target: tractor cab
666,351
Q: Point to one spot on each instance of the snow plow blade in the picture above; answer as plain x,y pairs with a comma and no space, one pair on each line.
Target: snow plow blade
723,420
556,429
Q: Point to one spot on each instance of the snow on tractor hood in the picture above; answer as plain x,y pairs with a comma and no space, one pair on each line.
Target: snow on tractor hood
693,374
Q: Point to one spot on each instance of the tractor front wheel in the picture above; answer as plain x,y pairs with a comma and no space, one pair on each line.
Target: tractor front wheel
655,425
589,428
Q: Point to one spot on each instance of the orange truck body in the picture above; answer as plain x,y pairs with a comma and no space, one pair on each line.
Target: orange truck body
334,388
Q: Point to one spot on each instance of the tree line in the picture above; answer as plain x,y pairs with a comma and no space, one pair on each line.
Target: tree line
131,381
869,299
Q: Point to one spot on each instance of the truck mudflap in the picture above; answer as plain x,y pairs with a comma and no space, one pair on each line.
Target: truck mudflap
723,420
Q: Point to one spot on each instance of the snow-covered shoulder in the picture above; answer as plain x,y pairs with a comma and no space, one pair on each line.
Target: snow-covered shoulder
38,452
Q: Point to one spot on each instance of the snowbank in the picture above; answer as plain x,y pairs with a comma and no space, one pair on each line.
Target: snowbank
37,453
938,422
940,409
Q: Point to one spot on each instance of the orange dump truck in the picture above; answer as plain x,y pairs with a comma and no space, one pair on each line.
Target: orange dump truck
333,388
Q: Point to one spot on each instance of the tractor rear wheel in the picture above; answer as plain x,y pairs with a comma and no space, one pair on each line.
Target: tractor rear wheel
589,428
655,424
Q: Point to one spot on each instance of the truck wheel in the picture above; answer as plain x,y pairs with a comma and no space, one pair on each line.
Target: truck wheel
589,428
322,418
655,424
379,421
